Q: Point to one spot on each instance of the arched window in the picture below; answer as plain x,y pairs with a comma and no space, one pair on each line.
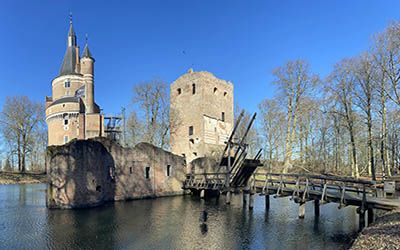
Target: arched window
215,90
193,88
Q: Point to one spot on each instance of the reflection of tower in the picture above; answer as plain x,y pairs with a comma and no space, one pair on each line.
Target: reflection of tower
71,111
201,114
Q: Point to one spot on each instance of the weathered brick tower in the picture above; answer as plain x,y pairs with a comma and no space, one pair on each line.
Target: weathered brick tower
71,111
201,114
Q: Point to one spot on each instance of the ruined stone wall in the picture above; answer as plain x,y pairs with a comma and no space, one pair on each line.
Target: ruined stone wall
201,109
86,173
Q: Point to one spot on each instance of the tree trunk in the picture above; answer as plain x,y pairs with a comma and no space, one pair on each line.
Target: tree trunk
288,144
354,154
371,147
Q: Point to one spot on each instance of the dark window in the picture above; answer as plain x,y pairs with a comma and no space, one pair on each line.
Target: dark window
65,121
67,84
130,170
191,141
183,155
195,153
179,91
193,89
191,130
223,116
147,173
98,188
225,93
168,170
215,90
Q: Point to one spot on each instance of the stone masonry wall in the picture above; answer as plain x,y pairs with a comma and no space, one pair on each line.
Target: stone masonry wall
85,173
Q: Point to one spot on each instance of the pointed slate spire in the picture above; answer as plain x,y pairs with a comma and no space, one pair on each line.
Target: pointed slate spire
86,51
71,33
71,54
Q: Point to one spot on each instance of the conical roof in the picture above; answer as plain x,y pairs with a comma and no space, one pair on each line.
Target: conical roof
86,52
70,57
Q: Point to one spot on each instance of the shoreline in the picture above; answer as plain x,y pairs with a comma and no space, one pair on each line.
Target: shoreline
7,178
383,233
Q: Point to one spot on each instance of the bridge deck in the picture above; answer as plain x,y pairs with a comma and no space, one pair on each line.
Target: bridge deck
300,187
347,199
343,190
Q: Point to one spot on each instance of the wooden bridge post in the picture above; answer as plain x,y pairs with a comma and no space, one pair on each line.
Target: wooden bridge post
202,193
361,219
252,192
316,208
302,210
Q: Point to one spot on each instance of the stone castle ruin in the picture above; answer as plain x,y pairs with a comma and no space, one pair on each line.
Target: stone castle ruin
86,173
86,169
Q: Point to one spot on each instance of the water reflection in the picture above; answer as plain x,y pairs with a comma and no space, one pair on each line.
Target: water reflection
168,223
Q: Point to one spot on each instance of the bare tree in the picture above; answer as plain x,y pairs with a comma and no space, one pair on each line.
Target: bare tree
294,81
21,119
364,73
273,128
154,113
342,80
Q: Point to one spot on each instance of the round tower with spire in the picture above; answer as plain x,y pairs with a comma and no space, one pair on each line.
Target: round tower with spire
71,111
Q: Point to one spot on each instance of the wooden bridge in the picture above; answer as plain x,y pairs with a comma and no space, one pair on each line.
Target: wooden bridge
301,188
235,173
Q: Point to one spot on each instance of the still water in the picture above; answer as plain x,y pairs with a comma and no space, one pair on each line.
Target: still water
168,223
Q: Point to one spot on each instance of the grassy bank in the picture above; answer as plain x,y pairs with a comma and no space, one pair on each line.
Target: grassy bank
21,178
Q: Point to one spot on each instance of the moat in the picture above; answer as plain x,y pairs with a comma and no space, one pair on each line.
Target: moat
168,223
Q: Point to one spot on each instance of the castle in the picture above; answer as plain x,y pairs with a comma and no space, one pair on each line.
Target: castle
71,111
93,169
201,106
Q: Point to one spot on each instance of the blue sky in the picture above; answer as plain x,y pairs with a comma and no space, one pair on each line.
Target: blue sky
135,41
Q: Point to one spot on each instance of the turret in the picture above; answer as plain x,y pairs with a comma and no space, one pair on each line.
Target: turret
87,70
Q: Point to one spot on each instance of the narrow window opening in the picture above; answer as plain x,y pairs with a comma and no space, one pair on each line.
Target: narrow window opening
193,89
191,130
67,84
223,116
98,188
191,141
215,90
147,173
168,170
131,170
195,153
225,93
66,121
179,91
183,155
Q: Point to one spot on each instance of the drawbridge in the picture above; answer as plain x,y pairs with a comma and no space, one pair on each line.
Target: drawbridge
234,169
